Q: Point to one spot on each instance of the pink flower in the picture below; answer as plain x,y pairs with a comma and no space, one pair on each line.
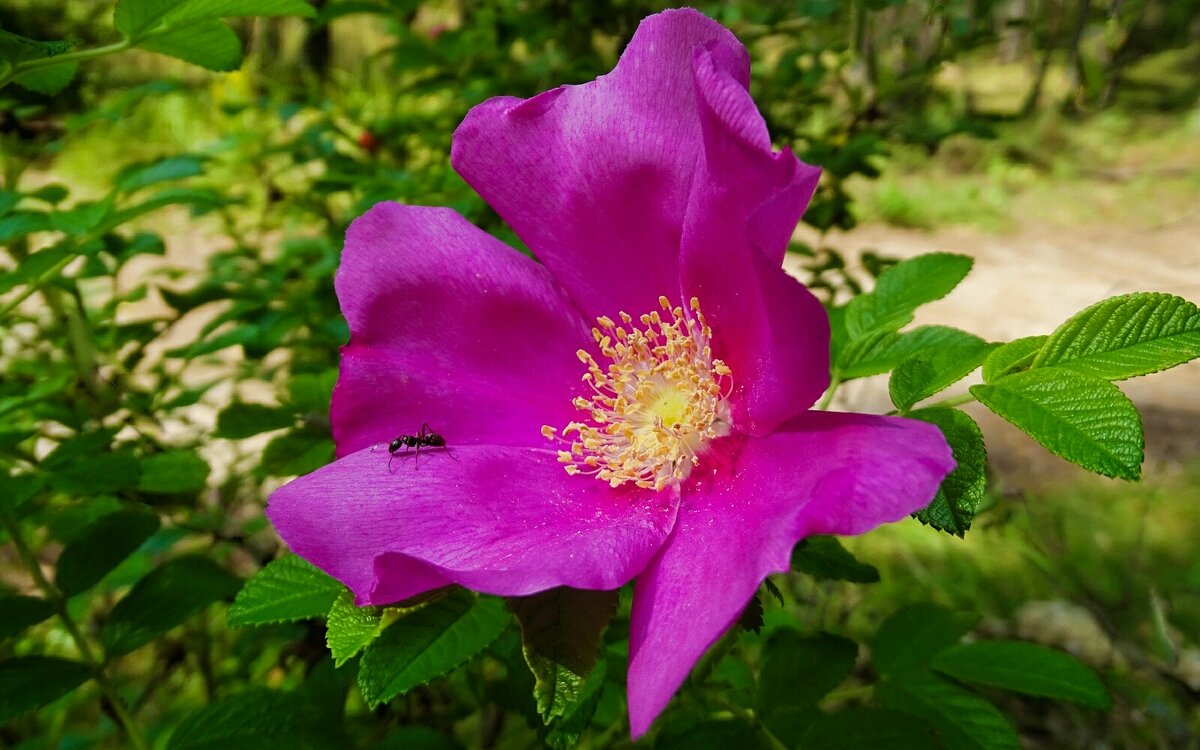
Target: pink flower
673,441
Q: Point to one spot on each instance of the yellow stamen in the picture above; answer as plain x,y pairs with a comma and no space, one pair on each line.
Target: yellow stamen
655,407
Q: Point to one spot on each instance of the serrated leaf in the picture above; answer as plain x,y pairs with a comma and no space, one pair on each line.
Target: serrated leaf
137,176
259,719
795,672
1024,668
28,682
209,44
1126,336
350,628
285,590
881,351
562,733
242,420
860,728
173,473
932,371
751,619
962,492
101,547
163,598
138,17
824,558
1081,418
1012,357
910,638
962,719
429,643
901,289
560,634
20,612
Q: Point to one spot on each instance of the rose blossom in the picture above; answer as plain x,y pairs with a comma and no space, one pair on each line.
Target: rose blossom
637,404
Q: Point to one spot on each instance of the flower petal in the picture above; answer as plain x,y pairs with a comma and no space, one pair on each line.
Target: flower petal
450,326
496,519
770,330
595,178
824,473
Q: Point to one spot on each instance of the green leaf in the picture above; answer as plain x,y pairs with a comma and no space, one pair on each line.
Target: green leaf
962,492
101,547
242,420
564,732
901,289
164,598
20,612
209,44
1126,336
962,719
1024,668
560,635
259,719
1015,356
911,637
428,643
102,473
27,682
173,473
795,673
21,223
297,452
285,590
137,176
48,80
881,351
859,728
18,489
714,734
33,266
824,558
350,628
137,17
1081,418
312,391
932,371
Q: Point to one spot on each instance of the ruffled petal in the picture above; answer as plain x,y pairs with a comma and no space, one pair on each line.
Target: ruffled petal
596,178
496,519
822,474
452,327
770,330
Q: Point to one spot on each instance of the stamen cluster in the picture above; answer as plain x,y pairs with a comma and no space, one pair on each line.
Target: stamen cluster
660,400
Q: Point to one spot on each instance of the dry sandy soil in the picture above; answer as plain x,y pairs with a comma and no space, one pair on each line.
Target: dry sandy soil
1030,281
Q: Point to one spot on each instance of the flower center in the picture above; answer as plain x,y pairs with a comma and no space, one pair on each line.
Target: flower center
656,405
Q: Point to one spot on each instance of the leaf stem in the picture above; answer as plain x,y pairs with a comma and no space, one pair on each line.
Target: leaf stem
946,403
56,598
13,70
834,381
32,286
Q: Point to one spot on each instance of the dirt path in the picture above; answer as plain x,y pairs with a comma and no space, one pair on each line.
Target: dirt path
1028,282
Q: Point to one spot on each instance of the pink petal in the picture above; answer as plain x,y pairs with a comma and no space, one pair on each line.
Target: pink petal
596,178
499,520
452,327
822,474
770,330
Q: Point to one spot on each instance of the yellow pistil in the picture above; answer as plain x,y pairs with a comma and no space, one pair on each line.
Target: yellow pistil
661,399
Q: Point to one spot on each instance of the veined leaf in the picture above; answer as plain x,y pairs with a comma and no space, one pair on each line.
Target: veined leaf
1081,418
209,44
164,598
562,733
285,590
241,420
429,643
350,628
860,728
137,176
1024,668
910,638
139,17
901,289
1126,336
259,719
961,493
101,547
1014,356
880,351
787,704
173,473
27,682
560,633
931,371
962,719
824,558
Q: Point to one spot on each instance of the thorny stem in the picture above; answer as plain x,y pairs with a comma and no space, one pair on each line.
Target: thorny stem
56,598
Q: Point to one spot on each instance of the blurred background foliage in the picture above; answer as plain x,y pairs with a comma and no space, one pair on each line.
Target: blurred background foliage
179,367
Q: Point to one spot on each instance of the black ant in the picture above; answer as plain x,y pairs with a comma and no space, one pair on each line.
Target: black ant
426,439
